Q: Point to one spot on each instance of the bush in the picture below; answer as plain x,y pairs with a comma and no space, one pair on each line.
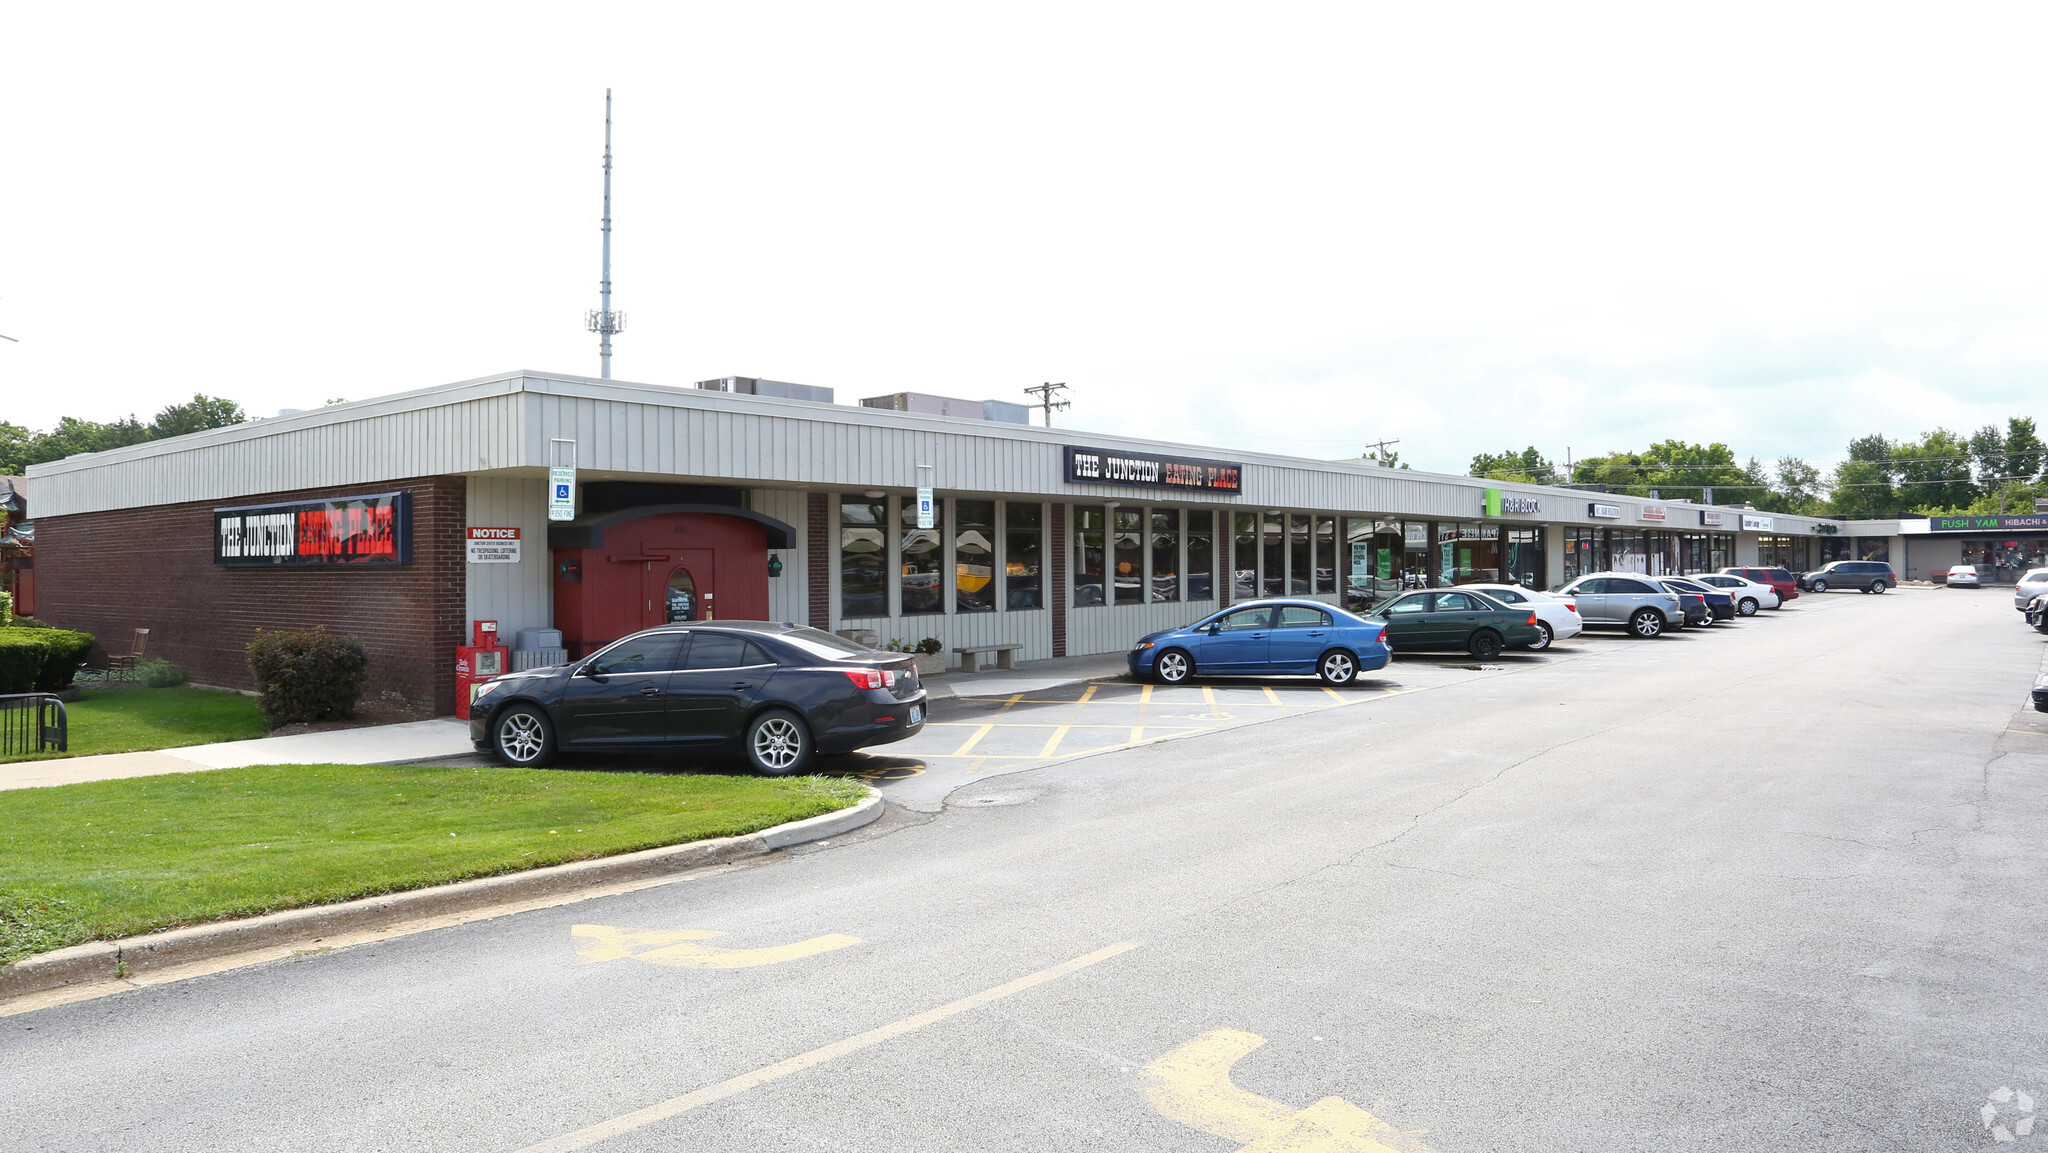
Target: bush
312,675
931,646
6,609
40,659
29,623
158,673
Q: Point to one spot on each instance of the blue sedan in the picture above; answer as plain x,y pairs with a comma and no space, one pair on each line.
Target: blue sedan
1262,638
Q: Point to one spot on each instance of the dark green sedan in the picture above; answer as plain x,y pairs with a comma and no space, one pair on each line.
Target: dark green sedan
1459,621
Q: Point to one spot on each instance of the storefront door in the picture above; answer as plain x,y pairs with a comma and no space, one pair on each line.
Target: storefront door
679,590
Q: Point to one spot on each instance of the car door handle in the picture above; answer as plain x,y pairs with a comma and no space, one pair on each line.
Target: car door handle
649,691
1317,633
740,684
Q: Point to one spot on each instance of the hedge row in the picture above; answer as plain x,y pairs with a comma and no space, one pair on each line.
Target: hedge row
40,660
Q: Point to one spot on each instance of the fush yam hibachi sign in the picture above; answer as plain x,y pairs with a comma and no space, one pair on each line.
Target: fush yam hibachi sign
349,531
1098,466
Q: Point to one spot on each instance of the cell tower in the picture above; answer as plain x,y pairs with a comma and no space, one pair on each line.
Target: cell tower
602,320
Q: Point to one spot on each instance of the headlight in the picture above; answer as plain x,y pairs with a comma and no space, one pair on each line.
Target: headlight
1142,646
478,692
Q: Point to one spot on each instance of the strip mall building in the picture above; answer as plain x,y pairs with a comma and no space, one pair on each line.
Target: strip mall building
401,519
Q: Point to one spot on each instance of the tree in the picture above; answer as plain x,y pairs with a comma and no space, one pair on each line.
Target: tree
203,412
2025,455
1799,485
1527,465
1934,472
1617,472
1862,487
1987,452
1682,471
14,442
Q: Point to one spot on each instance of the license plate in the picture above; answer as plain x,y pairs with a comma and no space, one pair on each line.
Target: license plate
917,714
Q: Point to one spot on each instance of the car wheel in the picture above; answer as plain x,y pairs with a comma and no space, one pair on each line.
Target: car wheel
1646,623
1747,606
1877,588
522,737
1337,668
1485,644
778,744
1818,587
1173,667
1543,638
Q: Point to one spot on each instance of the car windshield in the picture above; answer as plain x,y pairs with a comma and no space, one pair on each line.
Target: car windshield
820,643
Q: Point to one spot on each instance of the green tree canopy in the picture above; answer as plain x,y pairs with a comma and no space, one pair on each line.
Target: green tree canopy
1527,465
20,448
201,413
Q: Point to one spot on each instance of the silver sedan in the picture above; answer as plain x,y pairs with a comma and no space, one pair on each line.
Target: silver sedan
1964,576
2031,585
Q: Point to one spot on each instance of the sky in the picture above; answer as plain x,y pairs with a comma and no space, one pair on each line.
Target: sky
1293,228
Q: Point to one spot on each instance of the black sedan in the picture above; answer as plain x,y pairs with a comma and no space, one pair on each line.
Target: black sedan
780,693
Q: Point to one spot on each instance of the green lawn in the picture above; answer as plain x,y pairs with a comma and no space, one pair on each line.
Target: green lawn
130,720
116,858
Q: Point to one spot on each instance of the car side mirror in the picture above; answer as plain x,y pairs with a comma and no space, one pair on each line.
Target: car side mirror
589,670
1214,629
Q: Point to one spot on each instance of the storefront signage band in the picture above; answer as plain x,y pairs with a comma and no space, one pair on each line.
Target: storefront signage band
1984,523
1713,519
1758,524
346,532
1099,466
1604,511
1654,512
1500,504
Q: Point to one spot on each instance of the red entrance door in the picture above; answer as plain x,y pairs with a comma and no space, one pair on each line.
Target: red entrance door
683,589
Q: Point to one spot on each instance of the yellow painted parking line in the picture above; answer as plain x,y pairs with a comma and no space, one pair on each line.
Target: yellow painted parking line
674,1106
1340,698
1209,696
1087,693
1192,1085
1053,742
1014,698
1145,695
1137,733
974,740
1270,694
673,948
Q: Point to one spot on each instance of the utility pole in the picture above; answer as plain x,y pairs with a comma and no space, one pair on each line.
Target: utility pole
1045,393
602,320
1378,449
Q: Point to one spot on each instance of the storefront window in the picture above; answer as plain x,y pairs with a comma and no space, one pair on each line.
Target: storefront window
1777,552
1201,556
1834,548
1326,554
1722,552
1244,557
1273,557
1024,552
1525,559
863,543
1415,553
1130,555
1468,553
1627,550
1583,552
1090,525
1165,554
1299,566
2010,556
1661,551
921,559
974,556
1874,548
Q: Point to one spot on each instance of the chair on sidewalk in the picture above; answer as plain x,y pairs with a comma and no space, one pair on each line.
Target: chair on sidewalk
129,660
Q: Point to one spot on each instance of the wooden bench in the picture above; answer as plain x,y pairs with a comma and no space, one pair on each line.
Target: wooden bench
970,657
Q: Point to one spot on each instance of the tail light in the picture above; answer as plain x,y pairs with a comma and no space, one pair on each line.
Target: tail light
1571,608
871,678
1383,636
1531,620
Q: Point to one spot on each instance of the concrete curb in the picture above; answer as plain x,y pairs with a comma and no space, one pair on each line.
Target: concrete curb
108,960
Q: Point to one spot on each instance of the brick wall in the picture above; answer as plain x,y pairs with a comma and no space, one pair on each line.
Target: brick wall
818,558
110,573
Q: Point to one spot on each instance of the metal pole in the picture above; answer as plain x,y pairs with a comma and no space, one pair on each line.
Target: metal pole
604,346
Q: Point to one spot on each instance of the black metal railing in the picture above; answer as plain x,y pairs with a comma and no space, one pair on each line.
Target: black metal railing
33,723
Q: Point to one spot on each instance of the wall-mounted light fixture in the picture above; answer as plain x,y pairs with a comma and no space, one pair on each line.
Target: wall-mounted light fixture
774,565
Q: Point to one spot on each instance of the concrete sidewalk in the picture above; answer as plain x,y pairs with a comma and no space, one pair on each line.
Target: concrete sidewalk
409,743
446,738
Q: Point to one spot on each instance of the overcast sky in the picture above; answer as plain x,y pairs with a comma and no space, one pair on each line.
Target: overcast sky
1292,228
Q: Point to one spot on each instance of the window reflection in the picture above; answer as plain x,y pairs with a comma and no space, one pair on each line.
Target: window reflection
974,556
863,588
1165,554
1024,551
921,559
1130,556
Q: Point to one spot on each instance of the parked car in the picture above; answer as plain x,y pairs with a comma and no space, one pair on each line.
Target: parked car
1461,620
1720,605
2032,583
1967,576
1778,578
2040,695
1557,618
1748,595
780,693
1692,604
1871,576
2037,612
1265,638
1627,600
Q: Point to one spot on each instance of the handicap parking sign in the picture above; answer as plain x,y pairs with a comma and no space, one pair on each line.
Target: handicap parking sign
561,494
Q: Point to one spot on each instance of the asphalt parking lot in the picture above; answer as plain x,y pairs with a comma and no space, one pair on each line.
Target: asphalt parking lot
1773,887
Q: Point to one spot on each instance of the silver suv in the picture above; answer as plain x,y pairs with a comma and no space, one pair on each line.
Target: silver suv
1626,599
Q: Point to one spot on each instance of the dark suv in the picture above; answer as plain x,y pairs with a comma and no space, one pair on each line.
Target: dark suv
1871,576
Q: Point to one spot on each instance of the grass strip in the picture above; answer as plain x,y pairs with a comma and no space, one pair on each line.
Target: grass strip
133,720
110,859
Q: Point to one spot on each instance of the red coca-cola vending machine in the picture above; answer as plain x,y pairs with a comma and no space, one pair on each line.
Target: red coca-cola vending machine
477,662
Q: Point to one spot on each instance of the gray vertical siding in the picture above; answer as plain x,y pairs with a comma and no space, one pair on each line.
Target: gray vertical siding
517,596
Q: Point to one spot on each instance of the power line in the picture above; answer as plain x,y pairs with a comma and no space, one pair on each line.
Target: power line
1045,393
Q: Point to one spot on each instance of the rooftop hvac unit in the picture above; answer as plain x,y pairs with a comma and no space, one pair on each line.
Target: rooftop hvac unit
929,405
753,386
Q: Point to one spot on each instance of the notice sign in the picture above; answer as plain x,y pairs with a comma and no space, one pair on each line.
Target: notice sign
1100,466
561,493
924,508
350,531
494,546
